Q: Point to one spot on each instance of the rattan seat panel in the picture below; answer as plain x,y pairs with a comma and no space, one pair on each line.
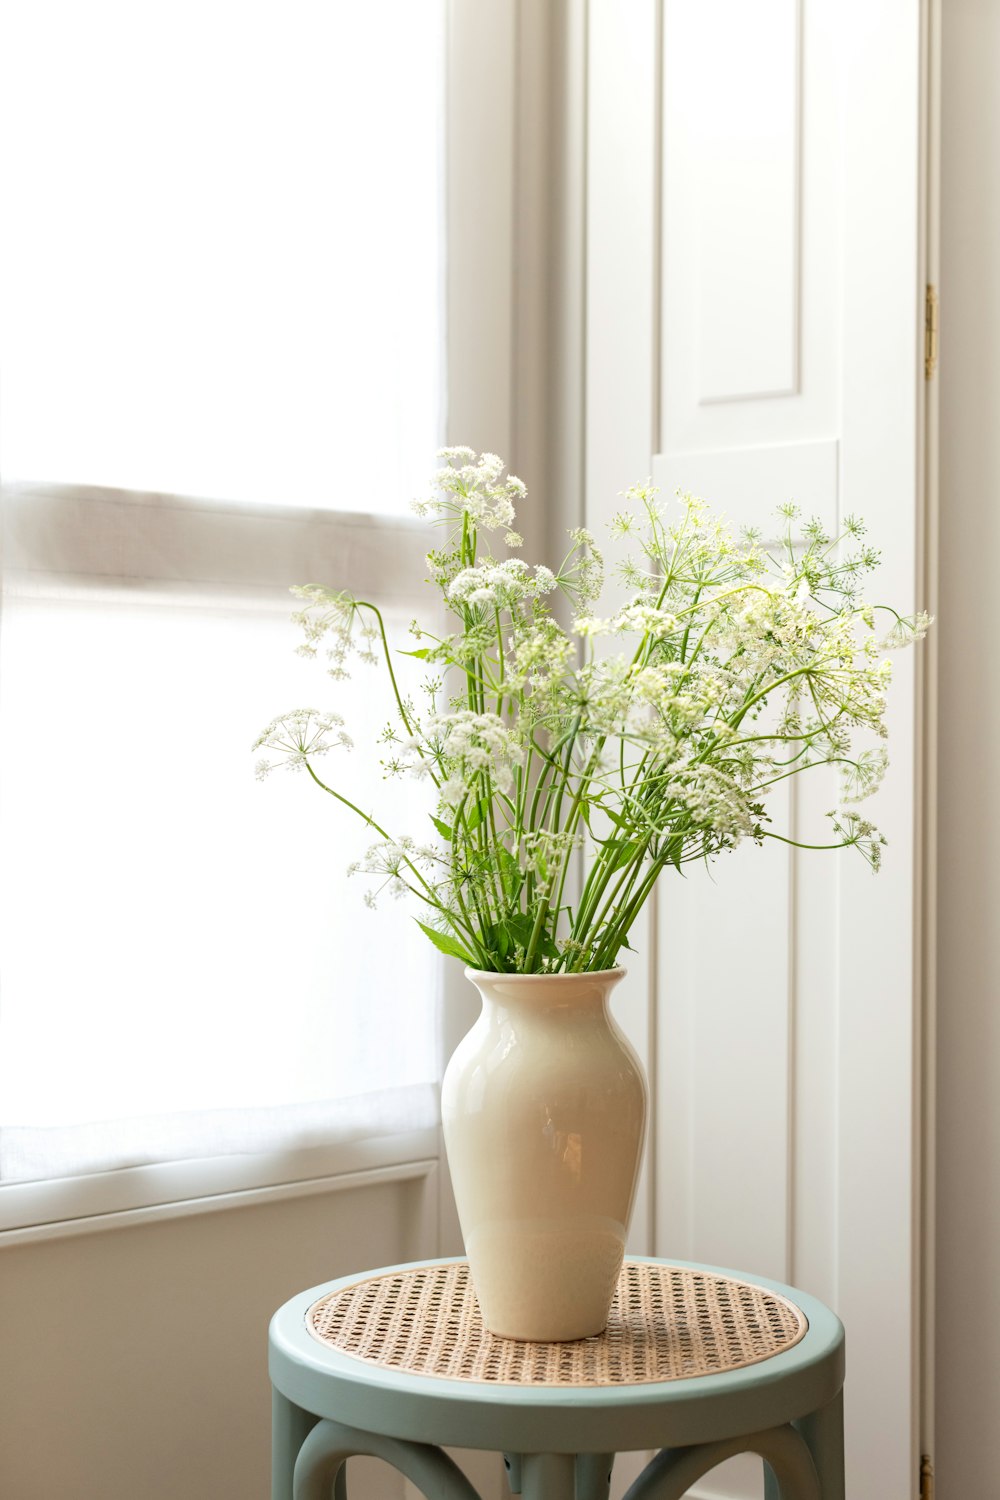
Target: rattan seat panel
666,1323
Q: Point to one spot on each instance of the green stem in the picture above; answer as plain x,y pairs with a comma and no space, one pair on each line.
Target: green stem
609,950
366,604
367,818
536,932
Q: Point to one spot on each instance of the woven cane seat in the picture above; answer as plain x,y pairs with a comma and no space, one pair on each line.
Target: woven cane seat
667,1323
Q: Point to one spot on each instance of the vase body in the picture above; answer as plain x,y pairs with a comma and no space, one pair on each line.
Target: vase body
544,1107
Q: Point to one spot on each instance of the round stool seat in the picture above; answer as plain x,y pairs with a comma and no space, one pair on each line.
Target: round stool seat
666,1323
692,1354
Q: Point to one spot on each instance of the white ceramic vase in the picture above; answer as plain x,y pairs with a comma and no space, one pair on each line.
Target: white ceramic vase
544,1105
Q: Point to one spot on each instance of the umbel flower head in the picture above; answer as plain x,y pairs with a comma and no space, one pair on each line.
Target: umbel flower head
570,764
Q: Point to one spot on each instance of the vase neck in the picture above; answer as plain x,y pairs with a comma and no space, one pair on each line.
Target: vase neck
547,992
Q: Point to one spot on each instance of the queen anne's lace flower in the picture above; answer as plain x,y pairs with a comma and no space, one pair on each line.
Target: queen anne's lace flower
473,487
646,619
472,750
298,737
334,620
501,585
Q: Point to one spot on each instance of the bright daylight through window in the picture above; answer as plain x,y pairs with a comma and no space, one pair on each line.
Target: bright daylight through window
221,347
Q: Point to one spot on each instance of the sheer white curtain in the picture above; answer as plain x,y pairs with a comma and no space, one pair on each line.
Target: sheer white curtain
221,277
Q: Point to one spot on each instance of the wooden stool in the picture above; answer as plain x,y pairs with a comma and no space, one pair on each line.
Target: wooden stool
697,1362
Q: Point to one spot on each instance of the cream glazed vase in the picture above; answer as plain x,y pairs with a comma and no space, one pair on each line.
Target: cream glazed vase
544,1105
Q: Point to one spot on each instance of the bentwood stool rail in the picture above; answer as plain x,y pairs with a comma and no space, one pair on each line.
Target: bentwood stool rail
699,1363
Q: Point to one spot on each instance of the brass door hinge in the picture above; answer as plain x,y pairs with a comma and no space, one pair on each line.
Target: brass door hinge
930,331
926,1477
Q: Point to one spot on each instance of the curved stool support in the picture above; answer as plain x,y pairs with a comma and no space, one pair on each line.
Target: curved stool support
330,1444
672,1472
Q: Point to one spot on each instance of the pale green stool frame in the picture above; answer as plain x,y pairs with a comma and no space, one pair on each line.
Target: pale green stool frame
559,1441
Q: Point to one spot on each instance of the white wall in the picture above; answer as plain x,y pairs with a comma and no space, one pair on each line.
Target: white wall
135,1359
968,1163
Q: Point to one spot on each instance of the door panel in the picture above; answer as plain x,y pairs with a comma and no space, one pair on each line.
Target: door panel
751,172
731,158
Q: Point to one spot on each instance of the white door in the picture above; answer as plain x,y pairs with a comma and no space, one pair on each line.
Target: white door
754,335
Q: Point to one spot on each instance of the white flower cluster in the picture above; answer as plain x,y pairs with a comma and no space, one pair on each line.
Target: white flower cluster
296,736
862,777
501,585
906,630
338,619
545,853
586,575
591,625
473,486
714,801
540,656
655,704
393,860
856,831
646,619
468,746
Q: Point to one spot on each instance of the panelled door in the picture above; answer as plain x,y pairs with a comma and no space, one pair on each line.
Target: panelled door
754,304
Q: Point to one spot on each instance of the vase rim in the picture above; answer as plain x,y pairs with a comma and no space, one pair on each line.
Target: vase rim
473,974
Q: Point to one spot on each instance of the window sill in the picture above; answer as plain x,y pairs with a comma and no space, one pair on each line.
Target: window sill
31,1211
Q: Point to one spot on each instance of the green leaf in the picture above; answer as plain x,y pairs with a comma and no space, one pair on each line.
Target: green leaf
442,828
598,807
421,655
475,815
674,856
622,852
510,873
445,943
519,926
497,939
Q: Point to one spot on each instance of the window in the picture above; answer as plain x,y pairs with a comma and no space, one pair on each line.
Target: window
222,346
222,266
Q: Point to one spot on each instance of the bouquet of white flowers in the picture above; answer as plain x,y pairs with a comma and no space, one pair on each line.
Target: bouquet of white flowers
741,666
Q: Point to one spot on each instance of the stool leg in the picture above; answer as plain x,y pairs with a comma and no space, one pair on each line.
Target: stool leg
290,1426
593,1475
548,1476
512,1463
823,1431
772,1489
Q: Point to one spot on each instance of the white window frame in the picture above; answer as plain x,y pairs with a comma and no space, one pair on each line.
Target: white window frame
54,533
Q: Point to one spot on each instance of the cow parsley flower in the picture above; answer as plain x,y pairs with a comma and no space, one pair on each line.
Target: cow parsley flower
500,585
298,737
474,488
